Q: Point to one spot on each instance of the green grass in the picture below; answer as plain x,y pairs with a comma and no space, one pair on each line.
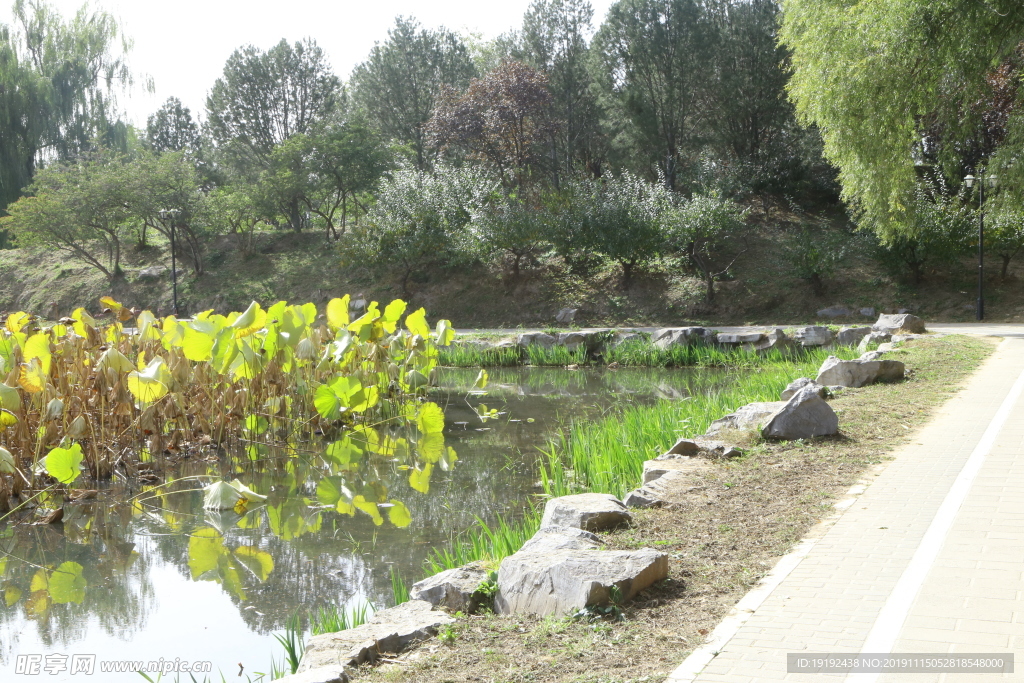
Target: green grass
399,591
555,355
607,455
332,619
483,542
462,356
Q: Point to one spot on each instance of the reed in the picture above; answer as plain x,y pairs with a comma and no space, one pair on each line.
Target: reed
332,619
485,543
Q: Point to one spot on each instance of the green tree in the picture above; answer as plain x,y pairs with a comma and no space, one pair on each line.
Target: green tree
650,61
396,86
79,208
700,228
622,218
59,82
328,171
895,86
553,40
1005,229
263,99
513,227
172,129
419,222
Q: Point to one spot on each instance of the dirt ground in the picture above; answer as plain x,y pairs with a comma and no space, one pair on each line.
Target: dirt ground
722,535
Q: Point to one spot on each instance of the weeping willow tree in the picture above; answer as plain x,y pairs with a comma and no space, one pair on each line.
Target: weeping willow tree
908,89
59,81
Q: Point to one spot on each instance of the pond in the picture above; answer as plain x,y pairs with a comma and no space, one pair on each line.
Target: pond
163,578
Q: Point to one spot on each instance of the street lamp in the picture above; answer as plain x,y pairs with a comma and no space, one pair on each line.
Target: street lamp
168,216
981,180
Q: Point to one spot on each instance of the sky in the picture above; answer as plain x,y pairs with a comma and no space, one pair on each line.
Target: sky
183,45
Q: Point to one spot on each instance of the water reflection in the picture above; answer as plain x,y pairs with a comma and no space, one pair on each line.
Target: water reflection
162,577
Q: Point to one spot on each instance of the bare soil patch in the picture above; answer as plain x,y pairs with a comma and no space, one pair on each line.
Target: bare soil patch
722,536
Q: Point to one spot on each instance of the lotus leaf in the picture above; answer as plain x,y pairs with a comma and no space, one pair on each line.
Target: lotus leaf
66,583
64,464
10,399
337,312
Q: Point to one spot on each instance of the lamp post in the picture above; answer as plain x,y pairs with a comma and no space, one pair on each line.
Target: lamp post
969,181
169,215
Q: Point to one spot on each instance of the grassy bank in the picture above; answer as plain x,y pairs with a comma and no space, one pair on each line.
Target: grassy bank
607,456
721,538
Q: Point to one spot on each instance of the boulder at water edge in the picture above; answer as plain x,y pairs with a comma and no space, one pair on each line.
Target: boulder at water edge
536,338
388,631
550,538
873,339
851,336
901,323
858,373
814,335
680,336
453,589
587,511
804,416
797,385
750,416
565,581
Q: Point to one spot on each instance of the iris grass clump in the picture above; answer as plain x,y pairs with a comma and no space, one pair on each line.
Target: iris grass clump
607,455
485,543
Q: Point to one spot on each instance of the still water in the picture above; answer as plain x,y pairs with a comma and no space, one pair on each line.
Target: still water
162,578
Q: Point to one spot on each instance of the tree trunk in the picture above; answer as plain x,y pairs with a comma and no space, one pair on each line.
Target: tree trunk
1006,265
709,282
627,274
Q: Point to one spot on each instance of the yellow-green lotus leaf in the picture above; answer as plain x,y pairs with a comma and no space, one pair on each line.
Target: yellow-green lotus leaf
11,595
84,320
16,321
328,491
249,322
32,378
10,399
67,583
39,581
369,508
147,326
259,562
398,514
197,346
337,312
7,419
220,495
430,418
38,346
205,548
444,333
392,314
112,358
416,323
420,479
481,380
64,464
150,384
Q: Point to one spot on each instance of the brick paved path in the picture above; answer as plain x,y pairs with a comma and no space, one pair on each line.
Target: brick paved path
929,558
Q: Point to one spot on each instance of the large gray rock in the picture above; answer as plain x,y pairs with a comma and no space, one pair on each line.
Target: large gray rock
873,339
453,589
536,338
551,538
659,491
680,336
565,581
774,339
683,447
324,674
867,312
388,631
572,340
717,449
592,340
565,316
797,385
851,336
587,511
814,335
804,416
655,469
900,323
750,416
834,312
624,336
744,338
858,373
